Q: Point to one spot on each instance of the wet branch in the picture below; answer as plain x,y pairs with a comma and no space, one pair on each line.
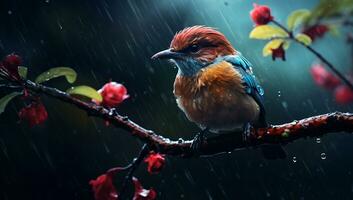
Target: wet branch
132,167
278,134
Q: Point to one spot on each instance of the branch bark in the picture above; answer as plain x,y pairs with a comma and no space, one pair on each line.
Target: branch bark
275,134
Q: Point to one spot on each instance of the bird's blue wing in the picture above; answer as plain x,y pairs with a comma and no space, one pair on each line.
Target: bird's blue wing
252,86
245,68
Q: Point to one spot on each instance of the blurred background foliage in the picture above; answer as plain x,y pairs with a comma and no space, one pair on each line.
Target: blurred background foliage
109,39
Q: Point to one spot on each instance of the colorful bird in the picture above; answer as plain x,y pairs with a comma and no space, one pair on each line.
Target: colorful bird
215,85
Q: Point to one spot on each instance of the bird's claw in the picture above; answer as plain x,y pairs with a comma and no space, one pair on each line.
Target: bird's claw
197,142
246,131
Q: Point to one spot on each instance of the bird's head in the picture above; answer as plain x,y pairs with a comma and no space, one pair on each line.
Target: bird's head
196,47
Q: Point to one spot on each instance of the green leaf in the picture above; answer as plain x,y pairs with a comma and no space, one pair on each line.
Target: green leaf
6,99
23,71
347,5
85,91
265,32
327,9
334,30
274,44
69,74
296,17
303,38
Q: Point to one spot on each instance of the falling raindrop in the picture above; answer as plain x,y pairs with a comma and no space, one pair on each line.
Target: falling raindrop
209,195
9,12
294,159
60,26
285,105
47,1
323,156
318,140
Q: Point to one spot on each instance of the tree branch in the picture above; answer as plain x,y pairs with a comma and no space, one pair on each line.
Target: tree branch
133,166
277,134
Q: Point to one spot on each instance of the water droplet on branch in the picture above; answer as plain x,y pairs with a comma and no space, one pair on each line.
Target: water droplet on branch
294,159
323,156
318,140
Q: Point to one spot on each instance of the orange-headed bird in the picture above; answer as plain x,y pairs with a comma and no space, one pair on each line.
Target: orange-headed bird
215,85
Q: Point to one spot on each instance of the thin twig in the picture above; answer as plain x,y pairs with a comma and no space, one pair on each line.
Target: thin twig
132,167
8,86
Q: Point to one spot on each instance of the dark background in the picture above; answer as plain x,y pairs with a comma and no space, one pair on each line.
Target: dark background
110,39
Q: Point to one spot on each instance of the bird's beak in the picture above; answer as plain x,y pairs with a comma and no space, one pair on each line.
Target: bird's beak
167,54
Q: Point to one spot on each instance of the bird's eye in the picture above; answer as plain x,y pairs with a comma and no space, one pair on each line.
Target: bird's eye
194,48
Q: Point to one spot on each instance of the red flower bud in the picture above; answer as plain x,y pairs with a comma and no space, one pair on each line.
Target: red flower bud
261,14
343,94
155,162
113,94
141,193
279,53
316,31
35,114
12,60
10,65
323,78
103,188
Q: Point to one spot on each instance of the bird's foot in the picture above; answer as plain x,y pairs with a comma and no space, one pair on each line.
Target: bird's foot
198,141
246,131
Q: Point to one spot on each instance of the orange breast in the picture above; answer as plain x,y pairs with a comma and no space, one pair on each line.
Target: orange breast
215,97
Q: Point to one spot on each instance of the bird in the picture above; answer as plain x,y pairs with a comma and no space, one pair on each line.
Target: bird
215,85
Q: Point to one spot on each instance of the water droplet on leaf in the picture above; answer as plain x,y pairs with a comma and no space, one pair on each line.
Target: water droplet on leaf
180,140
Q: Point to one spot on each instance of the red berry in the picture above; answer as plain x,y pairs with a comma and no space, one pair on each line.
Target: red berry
12,60
155,162
35,114
10,65
324,78
316,31
343,94
113,94
142,193
103,188
261,14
